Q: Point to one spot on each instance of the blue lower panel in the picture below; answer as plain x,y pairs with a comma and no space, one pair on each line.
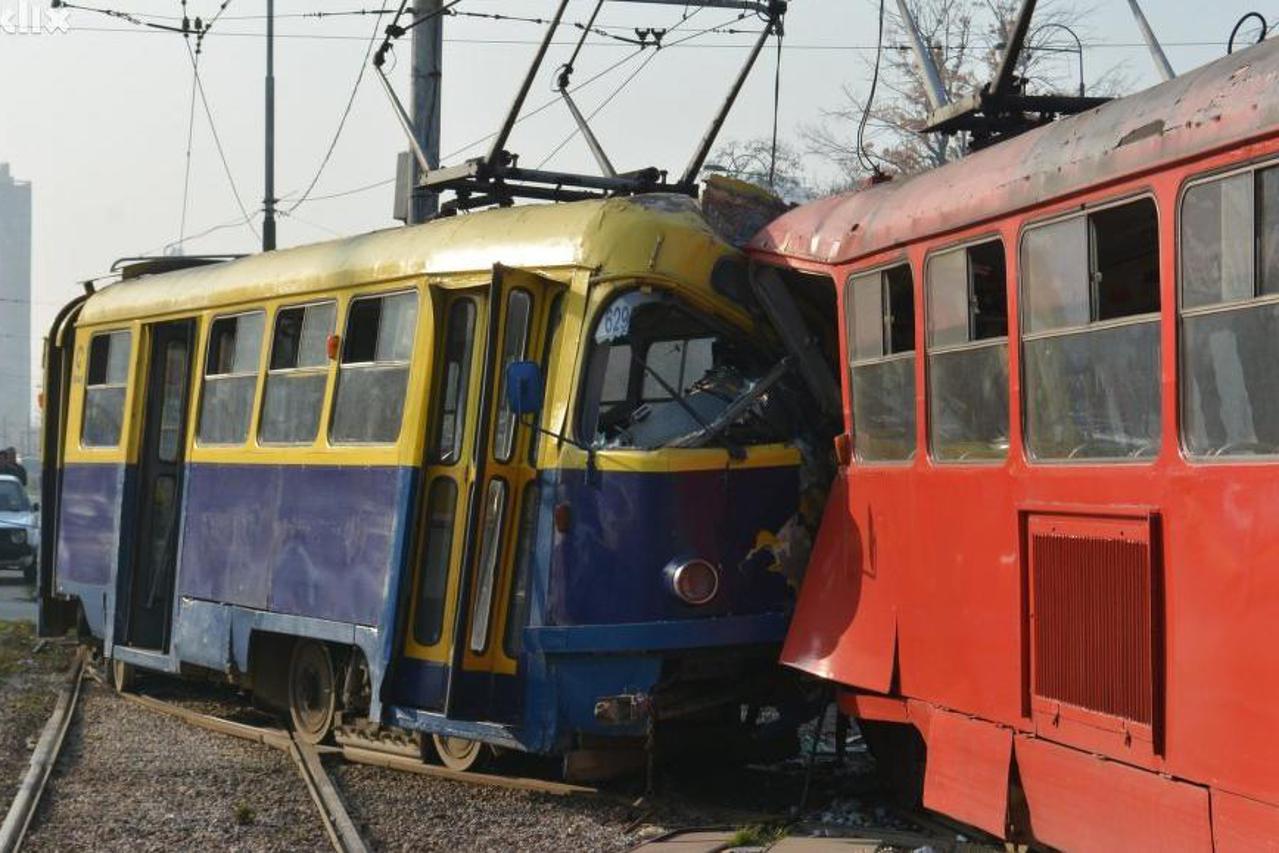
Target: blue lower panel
626,526
89,523
658,636
318,541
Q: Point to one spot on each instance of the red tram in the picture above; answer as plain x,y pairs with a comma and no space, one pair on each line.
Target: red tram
1048,574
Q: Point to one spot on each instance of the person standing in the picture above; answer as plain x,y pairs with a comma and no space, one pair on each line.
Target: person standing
10,465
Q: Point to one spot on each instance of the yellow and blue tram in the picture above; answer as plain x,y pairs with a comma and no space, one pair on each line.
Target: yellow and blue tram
312,470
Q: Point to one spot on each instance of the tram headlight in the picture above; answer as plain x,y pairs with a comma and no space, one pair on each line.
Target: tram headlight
692,581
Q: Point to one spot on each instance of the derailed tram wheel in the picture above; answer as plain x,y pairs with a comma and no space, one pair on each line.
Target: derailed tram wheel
460,754
312,697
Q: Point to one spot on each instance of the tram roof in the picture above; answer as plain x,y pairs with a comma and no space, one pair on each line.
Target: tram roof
616,234
1219,105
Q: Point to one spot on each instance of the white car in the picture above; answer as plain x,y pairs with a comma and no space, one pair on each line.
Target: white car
19,528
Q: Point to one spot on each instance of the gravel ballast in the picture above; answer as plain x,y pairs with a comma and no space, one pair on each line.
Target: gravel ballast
132,779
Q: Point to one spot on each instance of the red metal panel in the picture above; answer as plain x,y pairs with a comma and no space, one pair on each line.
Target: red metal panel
866,706
1079,802
1094,638
1241,825
966,775
853,642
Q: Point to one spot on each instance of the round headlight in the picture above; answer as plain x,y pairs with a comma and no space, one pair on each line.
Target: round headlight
18,537
692,581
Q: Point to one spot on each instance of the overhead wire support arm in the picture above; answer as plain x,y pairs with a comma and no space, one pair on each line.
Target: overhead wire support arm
933,88
1162,65
566,74
776,11
498,149
1003,82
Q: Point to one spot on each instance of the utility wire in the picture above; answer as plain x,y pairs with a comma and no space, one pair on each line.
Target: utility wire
217,141
337,134
186,177
653,55
863,156
777,108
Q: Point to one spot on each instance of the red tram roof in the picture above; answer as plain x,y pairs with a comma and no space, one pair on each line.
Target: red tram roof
1222,104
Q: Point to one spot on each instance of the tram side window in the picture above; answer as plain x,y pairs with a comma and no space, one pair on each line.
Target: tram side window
428,619
230,378
374,373
968,353
1230,315
525,548
295,380
105,387
880,310
458,350
519,308
1091,342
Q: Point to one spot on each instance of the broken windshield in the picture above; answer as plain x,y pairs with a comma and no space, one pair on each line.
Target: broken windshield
662,374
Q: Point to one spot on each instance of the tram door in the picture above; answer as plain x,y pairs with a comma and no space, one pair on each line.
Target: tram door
466,617
161,453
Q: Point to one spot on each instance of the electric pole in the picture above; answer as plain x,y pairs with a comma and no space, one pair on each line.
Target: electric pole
268,201
428,49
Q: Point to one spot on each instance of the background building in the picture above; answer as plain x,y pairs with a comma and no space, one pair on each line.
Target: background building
16,381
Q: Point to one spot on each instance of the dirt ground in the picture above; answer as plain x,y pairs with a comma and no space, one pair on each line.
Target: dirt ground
29,680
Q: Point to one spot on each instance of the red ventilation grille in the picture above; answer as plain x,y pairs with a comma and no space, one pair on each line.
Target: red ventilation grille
1093,632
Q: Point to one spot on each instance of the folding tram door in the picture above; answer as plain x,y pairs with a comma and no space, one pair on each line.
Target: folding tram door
478,509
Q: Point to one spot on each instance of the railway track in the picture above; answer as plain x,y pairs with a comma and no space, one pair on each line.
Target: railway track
307,758
341,830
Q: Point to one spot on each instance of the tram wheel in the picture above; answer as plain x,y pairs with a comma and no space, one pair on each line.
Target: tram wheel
460,754
123,676
312,697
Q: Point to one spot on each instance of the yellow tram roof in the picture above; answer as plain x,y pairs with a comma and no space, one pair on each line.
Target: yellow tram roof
664,233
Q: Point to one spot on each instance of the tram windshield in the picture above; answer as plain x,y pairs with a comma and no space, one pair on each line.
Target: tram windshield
661,374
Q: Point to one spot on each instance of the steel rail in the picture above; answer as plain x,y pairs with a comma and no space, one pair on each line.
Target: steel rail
367,755
23,807
338,825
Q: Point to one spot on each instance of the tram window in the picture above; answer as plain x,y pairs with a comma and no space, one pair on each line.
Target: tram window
1268,229
105,385
1091,348
883,364
374,372
490,554
1216,242
298,372
526,546
230,378
1229,316
519,308
459,347
441,509
968,353
556,316
660,373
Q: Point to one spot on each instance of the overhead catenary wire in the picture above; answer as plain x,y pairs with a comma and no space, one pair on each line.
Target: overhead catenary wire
777,108
346,113
863,155
217,142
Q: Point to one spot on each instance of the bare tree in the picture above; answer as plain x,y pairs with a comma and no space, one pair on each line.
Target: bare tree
966,38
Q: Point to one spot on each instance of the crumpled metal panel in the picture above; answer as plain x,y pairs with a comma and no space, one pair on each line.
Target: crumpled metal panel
854,642
1225,103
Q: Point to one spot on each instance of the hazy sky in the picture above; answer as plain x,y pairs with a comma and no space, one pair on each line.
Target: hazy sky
97,117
